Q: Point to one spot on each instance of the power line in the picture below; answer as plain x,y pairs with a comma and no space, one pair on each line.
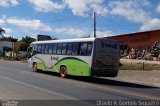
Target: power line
94,24
118,24
84,19
60,20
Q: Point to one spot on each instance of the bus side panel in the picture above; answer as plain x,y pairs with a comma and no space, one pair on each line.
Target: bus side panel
39,61
30,62
42,61
106,58
74,66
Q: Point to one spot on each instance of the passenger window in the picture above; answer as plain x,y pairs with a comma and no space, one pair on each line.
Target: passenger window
89,48
75,48
69,51
34,51
35,48
46,48
83,48
39,49
50,48
59,49
64,48
43,49
55,48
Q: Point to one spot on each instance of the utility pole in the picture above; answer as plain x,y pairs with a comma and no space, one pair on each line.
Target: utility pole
12,48
94,24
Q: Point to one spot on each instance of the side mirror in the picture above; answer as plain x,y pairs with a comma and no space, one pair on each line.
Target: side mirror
29,50
29,55
34,53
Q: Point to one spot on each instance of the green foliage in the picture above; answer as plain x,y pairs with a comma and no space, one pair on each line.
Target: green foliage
11,39
23,44
27,39
2,31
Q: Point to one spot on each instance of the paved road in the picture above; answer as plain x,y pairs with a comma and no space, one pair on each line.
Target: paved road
18,82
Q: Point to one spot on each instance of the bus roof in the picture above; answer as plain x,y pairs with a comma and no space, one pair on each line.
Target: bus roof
64,40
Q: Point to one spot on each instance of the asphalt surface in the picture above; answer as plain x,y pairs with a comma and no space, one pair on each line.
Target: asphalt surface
18,82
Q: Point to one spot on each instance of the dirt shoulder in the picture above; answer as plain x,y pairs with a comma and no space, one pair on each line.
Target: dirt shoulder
151,78
140,71
10,61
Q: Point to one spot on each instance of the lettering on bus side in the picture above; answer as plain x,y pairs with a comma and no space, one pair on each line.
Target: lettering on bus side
54,58
109,45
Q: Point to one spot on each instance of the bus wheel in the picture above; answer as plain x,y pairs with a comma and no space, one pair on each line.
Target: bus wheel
63,71
34,69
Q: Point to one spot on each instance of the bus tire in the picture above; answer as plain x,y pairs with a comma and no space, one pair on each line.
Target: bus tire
63,71
34,68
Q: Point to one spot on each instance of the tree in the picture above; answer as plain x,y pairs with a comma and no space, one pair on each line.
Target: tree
1,32
24,43
11,39
27,39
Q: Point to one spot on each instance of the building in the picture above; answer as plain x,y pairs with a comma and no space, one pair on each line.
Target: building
140,40
43,37
5,44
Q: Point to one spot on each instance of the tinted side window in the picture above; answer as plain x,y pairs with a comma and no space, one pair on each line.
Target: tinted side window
64,48
46,48
69,50
89,48
50,48
39,48
54,48
75,48
59,48
43,49
34,51
83,48
35,47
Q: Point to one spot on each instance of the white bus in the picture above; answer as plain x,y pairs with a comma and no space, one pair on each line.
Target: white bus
79,57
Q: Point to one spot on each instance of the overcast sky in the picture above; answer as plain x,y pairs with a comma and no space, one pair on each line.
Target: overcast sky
74,18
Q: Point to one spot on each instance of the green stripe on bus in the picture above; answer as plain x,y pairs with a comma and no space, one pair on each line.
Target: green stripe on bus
71,58
74,66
